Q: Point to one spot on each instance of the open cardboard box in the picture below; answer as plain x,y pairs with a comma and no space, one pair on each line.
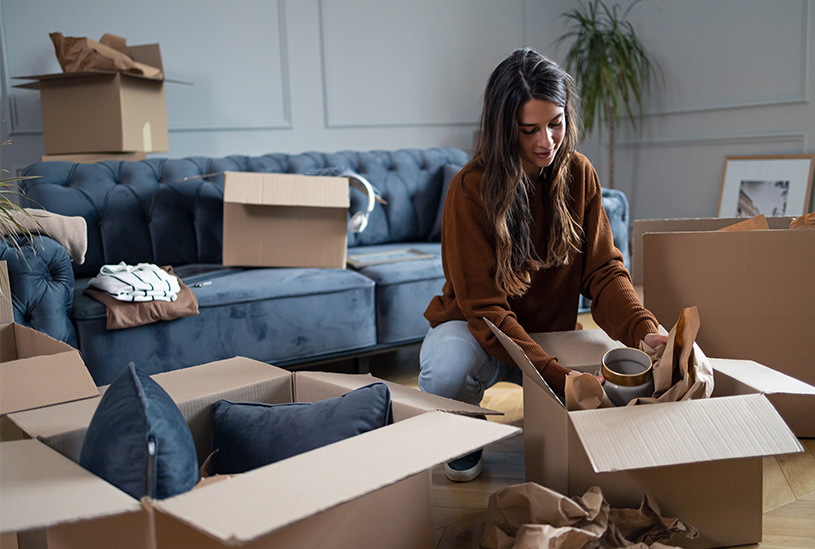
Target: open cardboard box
35,369
285,220
753,289
104,111
370,490
700,459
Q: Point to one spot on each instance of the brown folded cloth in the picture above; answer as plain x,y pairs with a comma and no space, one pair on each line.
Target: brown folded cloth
125,314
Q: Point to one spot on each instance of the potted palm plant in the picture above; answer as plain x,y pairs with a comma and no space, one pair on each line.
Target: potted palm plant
11,216
610,66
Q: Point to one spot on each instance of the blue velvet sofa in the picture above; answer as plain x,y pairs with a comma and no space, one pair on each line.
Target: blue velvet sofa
169,212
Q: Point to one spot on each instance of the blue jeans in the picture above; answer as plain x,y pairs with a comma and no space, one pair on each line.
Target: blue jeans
454,365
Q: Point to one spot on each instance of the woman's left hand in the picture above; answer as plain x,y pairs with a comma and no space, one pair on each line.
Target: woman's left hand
654,340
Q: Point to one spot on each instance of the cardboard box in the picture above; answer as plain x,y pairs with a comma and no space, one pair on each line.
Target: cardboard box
285,220
700,459
35,369
94,157
104,111
370,490
753,289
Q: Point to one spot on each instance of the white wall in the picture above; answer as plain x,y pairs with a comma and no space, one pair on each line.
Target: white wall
738,80
297,75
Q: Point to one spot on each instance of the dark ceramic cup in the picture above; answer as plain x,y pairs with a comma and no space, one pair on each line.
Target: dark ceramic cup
628,373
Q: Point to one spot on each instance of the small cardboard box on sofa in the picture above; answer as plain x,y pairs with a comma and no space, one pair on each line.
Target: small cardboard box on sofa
372,489
699,459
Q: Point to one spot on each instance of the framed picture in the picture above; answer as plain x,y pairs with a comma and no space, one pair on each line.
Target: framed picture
771,185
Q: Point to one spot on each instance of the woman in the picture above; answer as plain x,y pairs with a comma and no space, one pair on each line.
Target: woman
524,233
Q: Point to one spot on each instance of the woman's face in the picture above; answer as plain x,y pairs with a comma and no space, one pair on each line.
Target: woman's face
541,127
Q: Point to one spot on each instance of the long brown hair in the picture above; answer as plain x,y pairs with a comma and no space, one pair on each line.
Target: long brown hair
505,188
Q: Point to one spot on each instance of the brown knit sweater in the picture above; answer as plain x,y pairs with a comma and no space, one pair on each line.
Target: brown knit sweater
551,302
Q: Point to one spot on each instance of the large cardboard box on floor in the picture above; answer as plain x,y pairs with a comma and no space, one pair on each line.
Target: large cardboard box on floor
701,460
285,220
104,111
371,490
644,226
754,290
35,369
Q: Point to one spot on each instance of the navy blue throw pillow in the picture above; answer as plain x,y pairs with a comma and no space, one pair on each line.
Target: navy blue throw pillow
138,440
253,434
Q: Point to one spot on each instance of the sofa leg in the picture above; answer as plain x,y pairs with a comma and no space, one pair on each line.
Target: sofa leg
362,365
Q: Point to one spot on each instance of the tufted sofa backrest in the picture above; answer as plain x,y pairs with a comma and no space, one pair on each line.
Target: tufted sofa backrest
170,211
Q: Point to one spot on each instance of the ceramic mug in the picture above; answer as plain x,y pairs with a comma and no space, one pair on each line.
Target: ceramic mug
628,373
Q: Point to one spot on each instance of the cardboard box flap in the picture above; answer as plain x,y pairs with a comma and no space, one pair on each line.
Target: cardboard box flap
36,381
282,189
523,362
37,80
42,488
692,431
218,377
33,343
251,505
413,401
579,349
760,377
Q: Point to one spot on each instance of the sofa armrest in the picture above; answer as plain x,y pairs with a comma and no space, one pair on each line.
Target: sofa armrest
42,285
615,203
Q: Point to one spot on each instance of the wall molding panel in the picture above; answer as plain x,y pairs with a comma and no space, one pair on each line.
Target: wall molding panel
430,73
800,71
731,139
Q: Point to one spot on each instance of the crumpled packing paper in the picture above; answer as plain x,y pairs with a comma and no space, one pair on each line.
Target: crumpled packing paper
531,516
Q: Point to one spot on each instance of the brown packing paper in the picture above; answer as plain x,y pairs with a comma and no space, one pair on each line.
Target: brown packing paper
804,222
584,392
681,370
530,516
110,54
758,223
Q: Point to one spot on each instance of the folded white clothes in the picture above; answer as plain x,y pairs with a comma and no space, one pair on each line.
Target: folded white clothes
142,282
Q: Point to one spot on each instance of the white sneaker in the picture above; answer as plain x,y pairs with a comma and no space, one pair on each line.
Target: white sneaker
465,468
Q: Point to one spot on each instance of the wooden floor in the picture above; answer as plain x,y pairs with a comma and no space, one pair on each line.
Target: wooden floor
789,481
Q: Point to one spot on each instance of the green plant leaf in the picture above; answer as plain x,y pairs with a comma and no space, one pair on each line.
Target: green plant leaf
610,65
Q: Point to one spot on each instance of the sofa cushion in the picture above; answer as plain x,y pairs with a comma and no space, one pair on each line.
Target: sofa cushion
139,441
403,290
252,434
271,315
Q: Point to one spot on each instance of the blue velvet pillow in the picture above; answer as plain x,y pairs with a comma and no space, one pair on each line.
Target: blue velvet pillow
252,434
448,173
138,440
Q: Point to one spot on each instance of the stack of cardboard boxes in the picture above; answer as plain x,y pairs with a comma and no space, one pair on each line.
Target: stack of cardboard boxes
101,114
